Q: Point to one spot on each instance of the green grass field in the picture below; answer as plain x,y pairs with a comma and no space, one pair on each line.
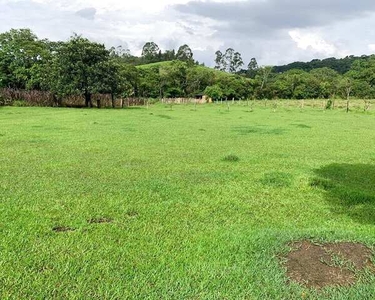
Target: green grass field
186,222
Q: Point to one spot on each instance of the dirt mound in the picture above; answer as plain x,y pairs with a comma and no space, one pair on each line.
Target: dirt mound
318,266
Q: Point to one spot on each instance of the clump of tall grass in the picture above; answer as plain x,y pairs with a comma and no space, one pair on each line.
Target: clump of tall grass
231,158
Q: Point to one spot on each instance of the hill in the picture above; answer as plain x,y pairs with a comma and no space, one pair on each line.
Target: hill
170,63
340,65
181,79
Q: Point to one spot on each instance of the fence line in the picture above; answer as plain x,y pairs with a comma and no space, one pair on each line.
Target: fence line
44,98
9,97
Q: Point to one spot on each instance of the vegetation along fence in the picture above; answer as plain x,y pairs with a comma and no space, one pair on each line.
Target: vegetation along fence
15,97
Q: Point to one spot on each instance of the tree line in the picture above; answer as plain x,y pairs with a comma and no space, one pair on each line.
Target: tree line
340,65
82,67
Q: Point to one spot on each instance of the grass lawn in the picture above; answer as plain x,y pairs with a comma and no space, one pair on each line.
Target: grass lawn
179,220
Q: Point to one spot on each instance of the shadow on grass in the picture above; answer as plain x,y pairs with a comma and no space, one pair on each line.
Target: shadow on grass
133,107
350,190
304,126
245,130
164,117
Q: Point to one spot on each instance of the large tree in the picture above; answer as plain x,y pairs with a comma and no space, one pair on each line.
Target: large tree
252,68
219,61
79,67
149,82
172,78
236,63
261,81
150,52
362,74
185,53
230,61
21,54
214,92
116,80
197,79
327,80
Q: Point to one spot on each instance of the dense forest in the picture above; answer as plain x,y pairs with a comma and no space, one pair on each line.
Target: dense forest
341,65
82,67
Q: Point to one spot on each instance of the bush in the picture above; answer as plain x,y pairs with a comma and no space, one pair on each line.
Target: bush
214,92
329,104
19,103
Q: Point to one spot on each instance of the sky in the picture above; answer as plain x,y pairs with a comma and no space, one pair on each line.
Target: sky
273,31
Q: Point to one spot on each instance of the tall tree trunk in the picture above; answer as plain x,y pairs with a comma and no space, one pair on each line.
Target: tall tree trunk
88,102
347,99
113,100
55,100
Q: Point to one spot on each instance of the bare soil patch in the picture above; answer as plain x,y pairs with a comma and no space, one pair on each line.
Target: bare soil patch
100,220
62,229
332,264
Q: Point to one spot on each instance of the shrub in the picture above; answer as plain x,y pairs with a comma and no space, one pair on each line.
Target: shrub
19,103
329,104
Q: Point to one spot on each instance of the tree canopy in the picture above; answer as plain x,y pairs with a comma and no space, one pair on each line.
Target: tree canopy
79,66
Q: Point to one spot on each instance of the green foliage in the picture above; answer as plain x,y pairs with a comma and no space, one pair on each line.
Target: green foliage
230,61
341,65
19,103
215,92
184,53
329,104
149,82
190,80
252,68
82,67
150,52
21,55
197,79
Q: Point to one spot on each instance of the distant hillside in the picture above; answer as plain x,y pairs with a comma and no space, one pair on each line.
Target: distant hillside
196,67
341,65
156,64
176,78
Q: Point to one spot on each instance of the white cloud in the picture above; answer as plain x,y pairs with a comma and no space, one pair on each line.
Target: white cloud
314,42
113,22
210,25
150,6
